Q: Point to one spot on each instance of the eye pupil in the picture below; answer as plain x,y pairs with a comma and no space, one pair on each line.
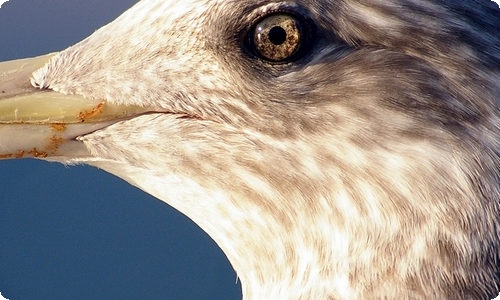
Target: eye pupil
277,35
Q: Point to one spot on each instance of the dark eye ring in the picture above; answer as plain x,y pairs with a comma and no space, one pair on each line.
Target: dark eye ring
280,37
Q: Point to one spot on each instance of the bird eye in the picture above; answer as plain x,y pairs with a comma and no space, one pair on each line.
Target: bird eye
279,37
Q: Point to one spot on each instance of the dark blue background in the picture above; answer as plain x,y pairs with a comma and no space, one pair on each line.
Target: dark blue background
78,232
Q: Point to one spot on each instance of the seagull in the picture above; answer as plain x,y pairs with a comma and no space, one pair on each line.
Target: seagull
332,149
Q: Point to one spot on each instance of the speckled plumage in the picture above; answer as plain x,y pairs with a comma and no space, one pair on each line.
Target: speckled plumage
368,169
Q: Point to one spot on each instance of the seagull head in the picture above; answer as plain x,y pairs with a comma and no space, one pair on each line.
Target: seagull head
333,149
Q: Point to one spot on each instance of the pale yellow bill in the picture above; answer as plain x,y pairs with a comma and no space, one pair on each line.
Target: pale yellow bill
40,122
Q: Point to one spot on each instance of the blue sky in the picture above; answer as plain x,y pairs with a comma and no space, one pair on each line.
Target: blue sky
78,232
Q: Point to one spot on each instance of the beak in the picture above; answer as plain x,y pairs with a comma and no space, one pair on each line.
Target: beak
43,123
